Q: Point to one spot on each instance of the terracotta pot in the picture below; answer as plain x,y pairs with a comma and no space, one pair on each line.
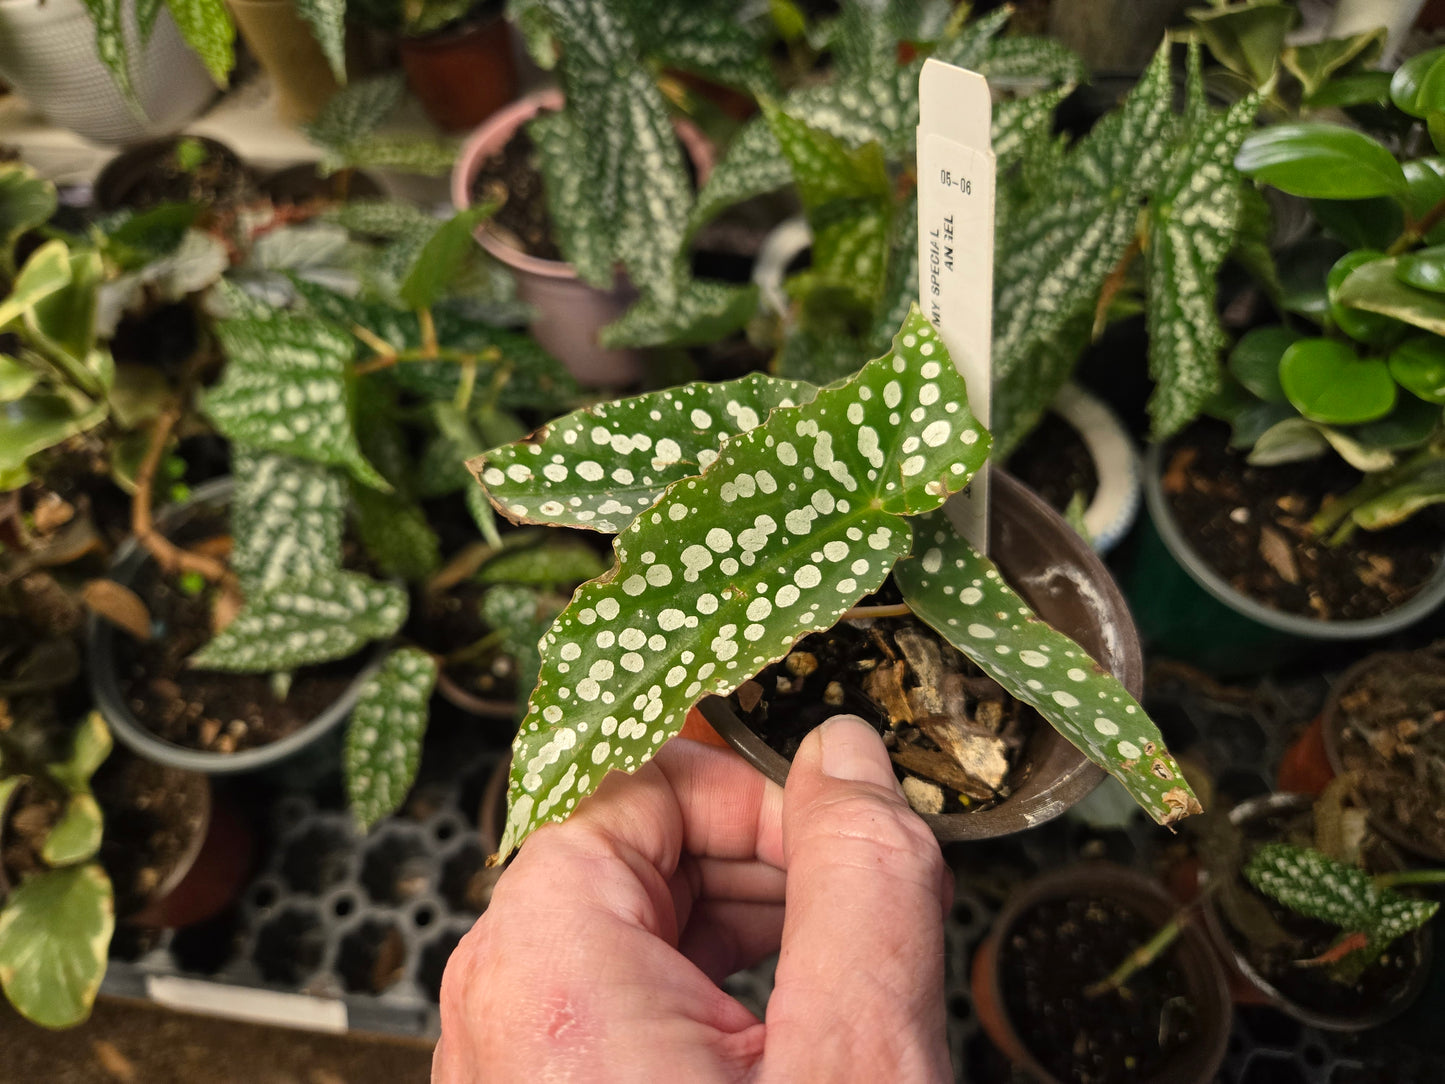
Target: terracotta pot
1068,586
570,312
1244,973
284,46
1305,767
462,75
1332,733
1197,1061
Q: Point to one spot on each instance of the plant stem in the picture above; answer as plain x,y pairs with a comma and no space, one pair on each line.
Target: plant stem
1114,283
1141,957
428,333
1416,231
492,709
1410,877
167,554
858,613
466,385
379,346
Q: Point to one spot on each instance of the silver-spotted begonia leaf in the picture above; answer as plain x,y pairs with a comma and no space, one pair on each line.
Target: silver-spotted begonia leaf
317,618
960,593
597,468
793,523
286,518
383,740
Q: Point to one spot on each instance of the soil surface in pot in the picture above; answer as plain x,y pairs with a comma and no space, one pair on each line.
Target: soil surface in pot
1252,526
219,180
1054,952
450,621
151,821
1055,463
32,815
956,738
1393,742
1275,939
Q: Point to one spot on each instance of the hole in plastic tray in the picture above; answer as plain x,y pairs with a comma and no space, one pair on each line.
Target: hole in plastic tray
467,883
206,947
290,947
372,957
318,858
396,868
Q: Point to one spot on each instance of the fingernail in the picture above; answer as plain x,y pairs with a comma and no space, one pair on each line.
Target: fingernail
852,750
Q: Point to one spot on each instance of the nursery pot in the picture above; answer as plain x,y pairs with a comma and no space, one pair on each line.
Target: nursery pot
1068,586
302,184
309,752
1428,598
287,51
462,74
1364,1016
121,183
48,55
1195,1062
1332,731
570,312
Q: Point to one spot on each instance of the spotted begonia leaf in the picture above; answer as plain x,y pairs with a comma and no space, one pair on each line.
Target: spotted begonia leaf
110,46
327,19
323,616
521,616
55,932
287,388
354,112
383,740
286,518
707,38
960,593
379,217
1194,215
598,467
395,533
795,521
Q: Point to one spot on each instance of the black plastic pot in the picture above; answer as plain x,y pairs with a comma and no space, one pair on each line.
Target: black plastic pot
1419,941
300,757
1194,1063
118,182
1068,586
301,184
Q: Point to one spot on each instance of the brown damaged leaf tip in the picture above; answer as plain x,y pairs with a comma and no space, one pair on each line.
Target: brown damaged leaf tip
1181,804
119,605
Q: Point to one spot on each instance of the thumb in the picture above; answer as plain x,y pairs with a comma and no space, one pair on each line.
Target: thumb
859,988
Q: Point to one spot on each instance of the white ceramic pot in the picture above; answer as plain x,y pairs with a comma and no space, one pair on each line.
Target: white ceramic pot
48,55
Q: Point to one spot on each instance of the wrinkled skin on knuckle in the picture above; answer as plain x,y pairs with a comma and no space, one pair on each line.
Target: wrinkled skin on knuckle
878,831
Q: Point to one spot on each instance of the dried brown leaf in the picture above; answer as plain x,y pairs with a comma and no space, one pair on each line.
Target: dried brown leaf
119,605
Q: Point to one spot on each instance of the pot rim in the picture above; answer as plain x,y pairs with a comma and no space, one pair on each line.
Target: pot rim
1332,727
1144,894
129,559
494,134
1071,787
1252,809
114,182
1427,599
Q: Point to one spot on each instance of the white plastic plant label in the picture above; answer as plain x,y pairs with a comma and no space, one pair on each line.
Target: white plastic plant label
955,245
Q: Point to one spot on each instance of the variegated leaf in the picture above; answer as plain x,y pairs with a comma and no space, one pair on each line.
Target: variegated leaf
327,19
355,112
286,519
323,616
405,154
727,570
287,389
597,468
900,286
145,18
960,593
1020,123
753,166
1193,222
207,27
707,37
55,932
703,312
395,534
383,740
380,217
972,45
110,46
1034,60
1126,149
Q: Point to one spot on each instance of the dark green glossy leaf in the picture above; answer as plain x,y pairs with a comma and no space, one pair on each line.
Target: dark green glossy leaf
1357,88
1375,288
1418,85
1303,268
1254,361
1361,223
1409,425
441,257
1321,161
557,563
1424,268
1365,327
1328,382
1418,364
1426,180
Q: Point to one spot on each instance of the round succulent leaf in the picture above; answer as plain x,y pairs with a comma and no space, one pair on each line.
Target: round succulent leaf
1425,178
1424,269
598,467
960,593
1409,425
1418,364
320,617
1288,440
1328,382
76,835
1418,85
1320,161
1365,327
383,739
55,932
796,520
1375,288
1254,361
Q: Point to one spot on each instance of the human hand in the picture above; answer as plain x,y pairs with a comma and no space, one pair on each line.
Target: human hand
599,955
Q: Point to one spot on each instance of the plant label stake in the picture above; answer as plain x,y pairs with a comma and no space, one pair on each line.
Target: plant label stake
955,246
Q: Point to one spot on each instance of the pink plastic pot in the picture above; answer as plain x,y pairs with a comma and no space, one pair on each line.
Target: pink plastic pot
570,312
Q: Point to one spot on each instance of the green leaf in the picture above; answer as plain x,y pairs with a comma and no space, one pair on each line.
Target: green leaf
1314,64
1194,218
1424,268
522,618
383,741
1288,441
110,46
206,25
960,593
706,37
45,272
404,154
395,533
354,112
1421,489
763,559
145,18
26,201
559,563
1375,288
380,217
1303,268
1409,425
1365,327
88,750
1357,88
1321,161
287,516
37,422
62,323
1024,58
148,235
1418,365
1418,85
16,378
1254,361
1019,124
704,312
599,467
324,616
441,258
753,166
327,19
1246,38
1328,382
1361,223
287,388
1426,180
55,932
76,835
1252,249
